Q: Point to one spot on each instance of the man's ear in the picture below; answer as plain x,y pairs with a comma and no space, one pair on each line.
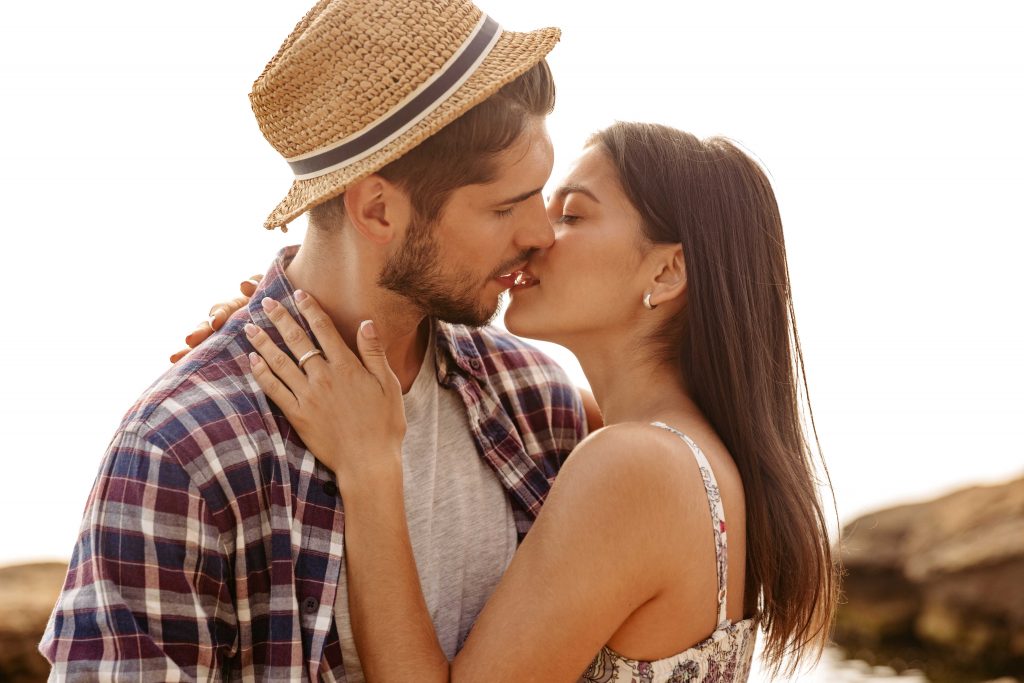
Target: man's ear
377,209
669,274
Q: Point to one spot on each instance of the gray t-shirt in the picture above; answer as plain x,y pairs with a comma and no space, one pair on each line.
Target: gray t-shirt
460,520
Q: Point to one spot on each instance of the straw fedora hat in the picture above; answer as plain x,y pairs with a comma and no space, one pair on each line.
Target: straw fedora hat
359,83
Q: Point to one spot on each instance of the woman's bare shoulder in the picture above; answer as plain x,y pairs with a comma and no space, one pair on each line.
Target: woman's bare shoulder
641,444
630,462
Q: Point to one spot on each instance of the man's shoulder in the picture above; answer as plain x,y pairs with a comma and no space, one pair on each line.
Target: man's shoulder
210,391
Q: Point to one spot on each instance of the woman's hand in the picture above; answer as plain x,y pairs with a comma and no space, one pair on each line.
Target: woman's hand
348,411
219,315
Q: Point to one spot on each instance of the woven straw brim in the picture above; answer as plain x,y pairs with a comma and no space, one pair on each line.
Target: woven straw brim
512,56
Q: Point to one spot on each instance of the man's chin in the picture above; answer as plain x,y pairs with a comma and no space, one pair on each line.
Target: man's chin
467,315
478,319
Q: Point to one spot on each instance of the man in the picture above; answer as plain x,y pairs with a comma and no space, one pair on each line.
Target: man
212,542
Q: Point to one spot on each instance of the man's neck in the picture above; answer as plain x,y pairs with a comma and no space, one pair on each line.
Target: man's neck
345,287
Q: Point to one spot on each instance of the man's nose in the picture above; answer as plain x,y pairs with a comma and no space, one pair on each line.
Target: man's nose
536,231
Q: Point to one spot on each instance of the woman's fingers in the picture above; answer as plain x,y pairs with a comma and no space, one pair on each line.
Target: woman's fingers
178,355
372,353
275,390
199,335
278,361
220,313
248,287
295,338
324,330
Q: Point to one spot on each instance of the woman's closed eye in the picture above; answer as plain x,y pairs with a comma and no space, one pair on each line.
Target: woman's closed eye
567,219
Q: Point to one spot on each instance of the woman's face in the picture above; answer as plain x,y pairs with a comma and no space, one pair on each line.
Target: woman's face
591,279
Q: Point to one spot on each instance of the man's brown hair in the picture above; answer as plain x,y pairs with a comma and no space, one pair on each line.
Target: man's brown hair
462,153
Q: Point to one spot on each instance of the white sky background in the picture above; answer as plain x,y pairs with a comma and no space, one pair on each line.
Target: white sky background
135,181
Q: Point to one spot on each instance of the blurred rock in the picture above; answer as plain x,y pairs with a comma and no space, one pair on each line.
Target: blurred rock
942,579
27,596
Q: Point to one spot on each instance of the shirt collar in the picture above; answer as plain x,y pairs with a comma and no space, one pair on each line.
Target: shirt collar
456,344
276,286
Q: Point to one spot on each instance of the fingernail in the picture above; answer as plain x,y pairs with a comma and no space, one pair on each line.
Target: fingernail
368,330
268,304
254,358
251,330
211,320
300,295
212,311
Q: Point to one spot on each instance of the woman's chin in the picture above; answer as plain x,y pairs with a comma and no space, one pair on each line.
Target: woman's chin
522,322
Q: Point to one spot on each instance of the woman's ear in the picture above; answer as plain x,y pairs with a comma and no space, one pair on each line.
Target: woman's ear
377,209
669,281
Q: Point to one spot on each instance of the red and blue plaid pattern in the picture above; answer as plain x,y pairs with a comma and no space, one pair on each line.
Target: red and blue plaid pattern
211,542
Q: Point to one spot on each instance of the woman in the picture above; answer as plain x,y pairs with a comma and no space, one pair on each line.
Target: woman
668,280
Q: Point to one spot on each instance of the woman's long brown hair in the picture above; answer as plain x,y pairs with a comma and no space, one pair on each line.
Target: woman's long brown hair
736,344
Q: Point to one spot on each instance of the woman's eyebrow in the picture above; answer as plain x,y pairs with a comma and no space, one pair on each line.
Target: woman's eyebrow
572,188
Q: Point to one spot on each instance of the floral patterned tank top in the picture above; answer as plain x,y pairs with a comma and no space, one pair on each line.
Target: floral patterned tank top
722,657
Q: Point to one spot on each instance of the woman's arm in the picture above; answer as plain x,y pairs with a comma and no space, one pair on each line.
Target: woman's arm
590,560
599,549
391,624
595,554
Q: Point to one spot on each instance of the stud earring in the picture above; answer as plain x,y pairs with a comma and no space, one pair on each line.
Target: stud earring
647,302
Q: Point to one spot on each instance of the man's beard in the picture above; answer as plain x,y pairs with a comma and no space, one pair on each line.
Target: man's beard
415,272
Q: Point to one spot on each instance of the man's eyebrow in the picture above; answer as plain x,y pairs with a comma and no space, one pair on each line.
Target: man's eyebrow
565,190
520,197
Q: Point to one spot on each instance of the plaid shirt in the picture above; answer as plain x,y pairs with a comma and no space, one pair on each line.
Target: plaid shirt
211,542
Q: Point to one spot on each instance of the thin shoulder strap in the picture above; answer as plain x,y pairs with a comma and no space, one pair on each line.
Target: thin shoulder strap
717,520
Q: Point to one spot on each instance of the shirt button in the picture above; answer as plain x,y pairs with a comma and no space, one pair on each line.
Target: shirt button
475,364
330,488
310,605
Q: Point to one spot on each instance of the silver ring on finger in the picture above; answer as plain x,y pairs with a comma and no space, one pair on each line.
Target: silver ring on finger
309,354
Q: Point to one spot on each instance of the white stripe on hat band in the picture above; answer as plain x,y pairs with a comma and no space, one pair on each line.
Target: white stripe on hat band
411,110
